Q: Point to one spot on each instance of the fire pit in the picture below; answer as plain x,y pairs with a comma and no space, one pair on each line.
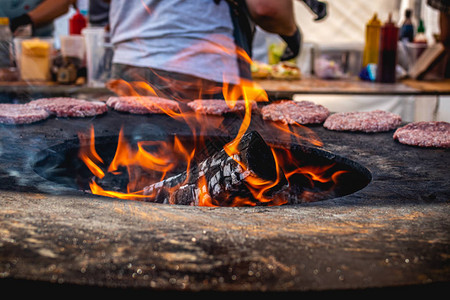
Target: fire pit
316,174
391,234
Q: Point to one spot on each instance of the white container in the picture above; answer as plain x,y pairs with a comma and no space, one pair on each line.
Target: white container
98,56
73,46
306,59
415,50
337,61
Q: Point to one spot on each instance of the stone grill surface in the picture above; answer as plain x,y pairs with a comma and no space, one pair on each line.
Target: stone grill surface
393,234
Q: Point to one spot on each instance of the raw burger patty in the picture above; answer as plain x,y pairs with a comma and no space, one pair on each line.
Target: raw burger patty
424,134
292,112
219,107
142,105
70,107
21,114
370,121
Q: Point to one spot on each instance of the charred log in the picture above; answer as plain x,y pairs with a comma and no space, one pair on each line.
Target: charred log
220,179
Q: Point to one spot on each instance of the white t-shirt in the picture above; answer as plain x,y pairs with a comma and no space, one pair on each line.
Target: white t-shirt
184,36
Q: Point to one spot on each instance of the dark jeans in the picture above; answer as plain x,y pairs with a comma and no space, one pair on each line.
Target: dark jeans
172,85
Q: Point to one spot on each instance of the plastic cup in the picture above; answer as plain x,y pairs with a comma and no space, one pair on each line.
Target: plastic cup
98,56
414,51
73,46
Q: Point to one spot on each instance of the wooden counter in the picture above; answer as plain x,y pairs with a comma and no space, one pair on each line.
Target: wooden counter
286,89
276,89
438,87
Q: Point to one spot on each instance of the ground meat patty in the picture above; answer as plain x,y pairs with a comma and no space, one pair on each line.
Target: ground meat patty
142,105
219,107
21,114
369,121
295,112
424,134
70,107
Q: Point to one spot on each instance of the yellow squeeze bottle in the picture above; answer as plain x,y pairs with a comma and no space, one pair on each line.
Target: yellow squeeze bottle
372,42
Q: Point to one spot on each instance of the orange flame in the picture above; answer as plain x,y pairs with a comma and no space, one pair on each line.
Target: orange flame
135,161
179,147
317,173
168,155
299,133
89,155
98,190
126,156
258,187
204,199
249,91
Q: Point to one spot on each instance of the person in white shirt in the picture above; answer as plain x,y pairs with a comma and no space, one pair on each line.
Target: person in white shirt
189,49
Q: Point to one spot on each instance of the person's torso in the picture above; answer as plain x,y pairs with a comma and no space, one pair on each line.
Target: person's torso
192,37
15,8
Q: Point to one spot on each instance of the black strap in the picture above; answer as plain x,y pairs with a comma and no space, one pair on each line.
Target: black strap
243,32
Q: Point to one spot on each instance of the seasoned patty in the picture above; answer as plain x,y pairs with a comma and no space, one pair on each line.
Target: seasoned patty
295,112
142,105
424,134
369,121
21,114
219,107
70,107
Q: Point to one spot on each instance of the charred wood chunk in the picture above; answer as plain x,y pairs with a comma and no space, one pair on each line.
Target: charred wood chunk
221,178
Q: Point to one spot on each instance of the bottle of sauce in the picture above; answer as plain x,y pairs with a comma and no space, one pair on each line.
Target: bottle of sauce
420,36
77,23
387,58
371,46
407,29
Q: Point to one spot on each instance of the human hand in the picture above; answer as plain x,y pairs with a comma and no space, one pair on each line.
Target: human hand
21,25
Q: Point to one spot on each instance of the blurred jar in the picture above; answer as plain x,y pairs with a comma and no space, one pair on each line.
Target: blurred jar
99,54
33,57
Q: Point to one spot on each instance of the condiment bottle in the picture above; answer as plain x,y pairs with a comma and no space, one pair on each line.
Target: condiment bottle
387,58
371,46
77,23
407,29
5,44
420,36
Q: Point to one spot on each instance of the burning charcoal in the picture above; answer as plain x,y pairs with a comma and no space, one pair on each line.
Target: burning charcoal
114,182
220,179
